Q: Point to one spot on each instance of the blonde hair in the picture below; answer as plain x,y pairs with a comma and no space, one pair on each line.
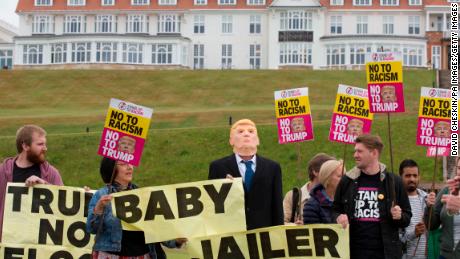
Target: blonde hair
326,171
242,122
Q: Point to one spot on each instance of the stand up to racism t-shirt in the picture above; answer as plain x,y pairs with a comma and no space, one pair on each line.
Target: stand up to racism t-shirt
365,230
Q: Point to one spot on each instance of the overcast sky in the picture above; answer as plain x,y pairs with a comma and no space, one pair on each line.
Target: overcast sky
7,13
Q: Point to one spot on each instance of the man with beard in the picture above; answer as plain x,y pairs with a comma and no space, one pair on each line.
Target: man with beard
263,194
29,166
374,203
408,170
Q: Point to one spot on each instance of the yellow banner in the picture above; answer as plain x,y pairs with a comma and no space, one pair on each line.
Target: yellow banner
384,72
42,251
439,108
183,210
292,107
46,215
308,241
127,123
353,106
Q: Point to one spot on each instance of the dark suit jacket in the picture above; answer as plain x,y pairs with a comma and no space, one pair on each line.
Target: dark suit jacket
264,201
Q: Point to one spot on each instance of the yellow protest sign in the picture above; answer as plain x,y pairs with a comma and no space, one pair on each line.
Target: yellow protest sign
183,210
42,251
50,215
292,106
384,72
308,241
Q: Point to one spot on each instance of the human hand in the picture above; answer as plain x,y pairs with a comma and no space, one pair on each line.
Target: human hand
101,203
33,180
86,188
453,185
430,199
342,219
452,203
396,212
419,229
228,176
181,241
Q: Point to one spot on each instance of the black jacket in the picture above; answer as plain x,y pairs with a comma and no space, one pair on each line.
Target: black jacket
344,203
318,209
264,201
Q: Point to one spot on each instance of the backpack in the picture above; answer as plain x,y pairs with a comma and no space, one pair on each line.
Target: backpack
296,195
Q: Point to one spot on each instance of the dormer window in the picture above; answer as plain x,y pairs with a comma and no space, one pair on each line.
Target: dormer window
140,2
76,2
43,2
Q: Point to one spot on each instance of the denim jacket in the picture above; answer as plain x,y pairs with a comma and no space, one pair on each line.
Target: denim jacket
109,238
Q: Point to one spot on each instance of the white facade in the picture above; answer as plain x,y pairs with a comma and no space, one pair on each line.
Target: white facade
287,33
7,33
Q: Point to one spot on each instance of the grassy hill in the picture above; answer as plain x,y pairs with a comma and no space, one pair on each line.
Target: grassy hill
190,122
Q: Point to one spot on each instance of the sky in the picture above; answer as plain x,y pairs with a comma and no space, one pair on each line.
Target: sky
7,13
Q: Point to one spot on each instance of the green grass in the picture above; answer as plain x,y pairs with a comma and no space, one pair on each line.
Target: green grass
190,123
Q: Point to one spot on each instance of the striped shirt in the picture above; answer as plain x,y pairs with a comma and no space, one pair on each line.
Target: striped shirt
417,203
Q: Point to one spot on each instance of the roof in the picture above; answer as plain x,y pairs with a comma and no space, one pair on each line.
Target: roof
125,5
9,28
295,3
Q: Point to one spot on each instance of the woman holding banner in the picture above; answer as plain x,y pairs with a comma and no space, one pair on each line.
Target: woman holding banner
111,241
318,209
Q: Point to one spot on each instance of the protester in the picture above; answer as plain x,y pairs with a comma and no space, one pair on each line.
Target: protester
261,177
304,194
111,241
414,236
445,213
318,208
373,202
29,166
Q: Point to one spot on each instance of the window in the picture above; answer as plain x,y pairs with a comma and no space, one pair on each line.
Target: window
227,2
198,24
106,52
162,53
412,55
75,24
76,2
388,25
226,56
227,24
106,24
132,53
335,55
414,24
362,2
361,25
254,24
295,53
167,2
107,2
254,56
137,24
43,2
59,53
358,54
200,2
436,57
389,2
6,58
81,52
336,2
43,24
336,24
296,21
255,2
32,54
415,2
169,23
198,56
140,2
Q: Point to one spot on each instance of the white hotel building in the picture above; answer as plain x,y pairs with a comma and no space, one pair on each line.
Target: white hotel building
229,34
